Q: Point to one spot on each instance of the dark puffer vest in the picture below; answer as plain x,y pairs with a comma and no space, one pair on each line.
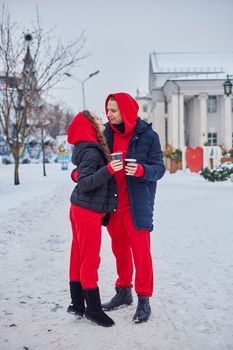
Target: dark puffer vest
96,188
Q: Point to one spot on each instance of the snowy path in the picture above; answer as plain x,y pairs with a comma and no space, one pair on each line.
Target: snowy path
192,254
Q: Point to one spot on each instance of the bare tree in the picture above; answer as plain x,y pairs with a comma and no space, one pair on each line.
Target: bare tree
28,69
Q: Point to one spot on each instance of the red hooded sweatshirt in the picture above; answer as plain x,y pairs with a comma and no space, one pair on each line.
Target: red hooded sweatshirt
129,111
80,129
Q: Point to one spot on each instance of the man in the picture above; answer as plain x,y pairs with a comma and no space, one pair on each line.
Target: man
130,225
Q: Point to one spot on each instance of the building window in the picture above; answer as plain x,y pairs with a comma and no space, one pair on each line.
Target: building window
144,108
212,138
212,104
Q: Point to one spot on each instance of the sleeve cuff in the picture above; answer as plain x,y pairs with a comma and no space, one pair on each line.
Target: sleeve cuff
74,175
140,171
110,169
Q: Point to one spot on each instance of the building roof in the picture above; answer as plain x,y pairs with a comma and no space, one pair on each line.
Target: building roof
210,64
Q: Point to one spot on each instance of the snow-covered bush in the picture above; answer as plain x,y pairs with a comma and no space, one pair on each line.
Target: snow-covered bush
219,173
7,160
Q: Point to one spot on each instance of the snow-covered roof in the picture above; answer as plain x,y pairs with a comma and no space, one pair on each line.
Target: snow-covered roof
210,65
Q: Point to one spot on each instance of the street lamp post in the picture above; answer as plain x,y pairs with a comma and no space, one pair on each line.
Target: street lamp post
228,85
82,82
227,112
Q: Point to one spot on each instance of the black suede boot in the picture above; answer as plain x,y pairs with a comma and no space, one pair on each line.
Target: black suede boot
77,306
143,311
123,297
94,310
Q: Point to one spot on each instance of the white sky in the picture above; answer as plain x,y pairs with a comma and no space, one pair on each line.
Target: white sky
121,34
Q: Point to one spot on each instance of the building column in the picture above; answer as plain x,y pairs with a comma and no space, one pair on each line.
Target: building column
181,142
173,121
176,120
203,119
227,123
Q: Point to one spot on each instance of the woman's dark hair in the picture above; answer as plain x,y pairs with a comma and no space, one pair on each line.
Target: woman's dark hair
102,140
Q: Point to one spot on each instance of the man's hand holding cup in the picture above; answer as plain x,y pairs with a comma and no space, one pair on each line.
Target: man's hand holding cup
131,166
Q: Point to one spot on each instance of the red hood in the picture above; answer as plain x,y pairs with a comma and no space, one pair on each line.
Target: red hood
81,129
128,108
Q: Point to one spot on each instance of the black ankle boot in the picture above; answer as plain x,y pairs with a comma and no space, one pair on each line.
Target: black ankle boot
123,297
143,311
76,306
94,310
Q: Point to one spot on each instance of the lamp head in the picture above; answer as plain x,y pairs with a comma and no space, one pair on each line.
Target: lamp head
227,87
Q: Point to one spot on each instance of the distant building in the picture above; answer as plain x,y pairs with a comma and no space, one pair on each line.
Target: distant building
145,106
189,105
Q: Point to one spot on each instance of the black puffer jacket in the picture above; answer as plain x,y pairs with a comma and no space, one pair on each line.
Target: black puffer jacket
96,189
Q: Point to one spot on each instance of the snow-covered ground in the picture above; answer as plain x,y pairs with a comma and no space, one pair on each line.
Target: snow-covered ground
192,247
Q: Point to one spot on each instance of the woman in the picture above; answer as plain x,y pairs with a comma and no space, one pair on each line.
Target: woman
94,196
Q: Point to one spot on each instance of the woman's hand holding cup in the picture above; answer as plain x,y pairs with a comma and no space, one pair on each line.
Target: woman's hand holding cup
116,163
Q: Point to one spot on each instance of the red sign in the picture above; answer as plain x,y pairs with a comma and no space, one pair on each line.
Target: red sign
194,159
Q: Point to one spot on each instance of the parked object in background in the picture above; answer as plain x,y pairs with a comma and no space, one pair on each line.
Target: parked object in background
172,159
63,154
63,158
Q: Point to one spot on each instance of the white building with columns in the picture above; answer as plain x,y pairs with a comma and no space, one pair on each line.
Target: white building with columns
188,105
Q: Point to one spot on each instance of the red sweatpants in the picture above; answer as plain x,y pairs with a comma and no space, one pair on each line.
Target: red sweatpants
85,248
131,245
